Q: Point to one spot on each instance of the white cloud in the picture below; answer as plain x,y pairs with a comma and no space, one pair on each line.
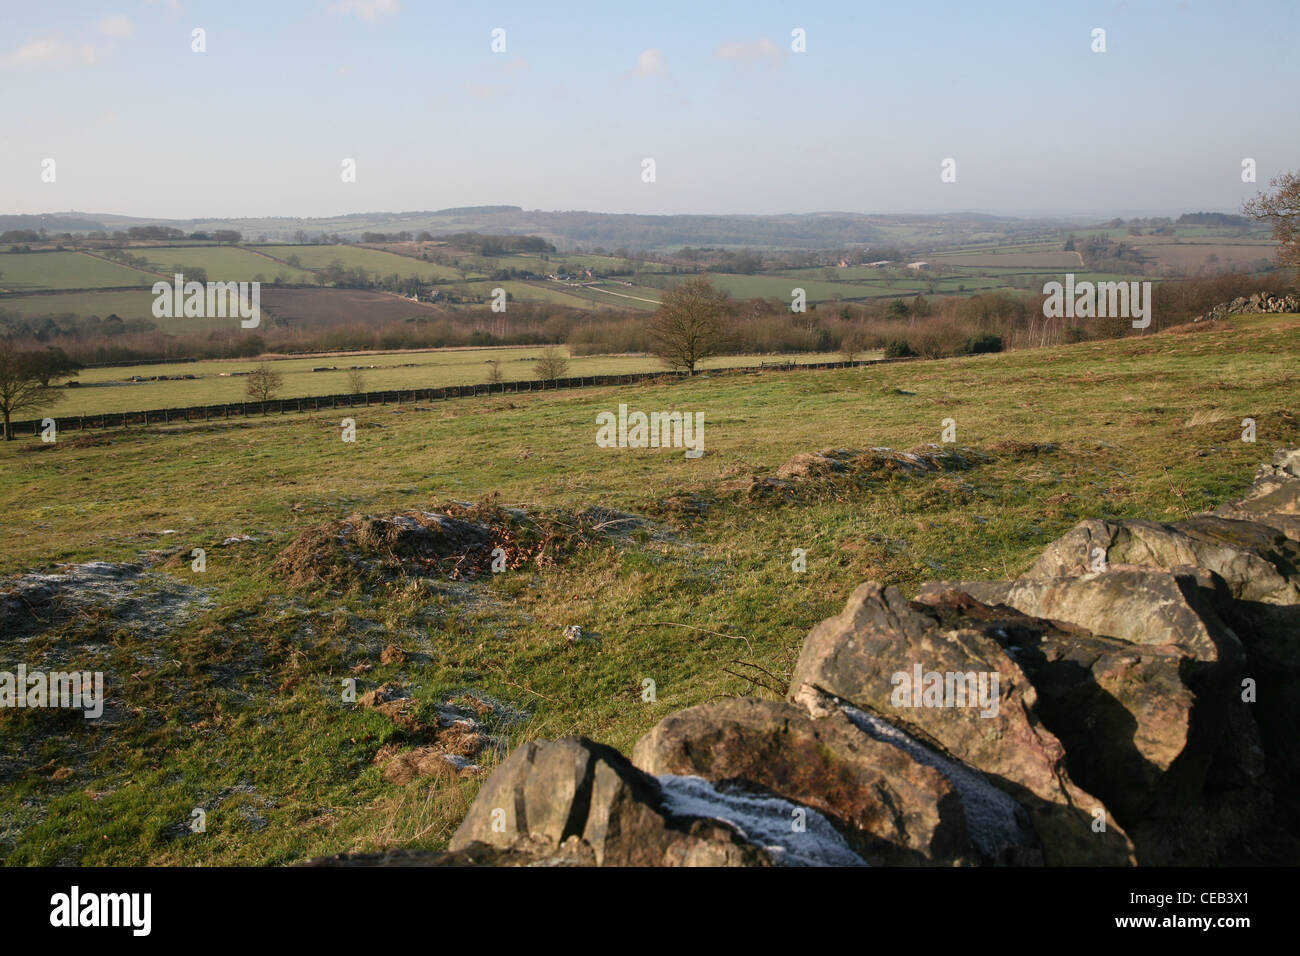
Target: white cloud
368,10
650,63
35,51
116,25
749,54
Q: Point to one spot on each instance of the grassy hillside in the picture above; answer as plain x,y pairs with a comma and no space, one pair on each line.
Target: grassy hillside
234,707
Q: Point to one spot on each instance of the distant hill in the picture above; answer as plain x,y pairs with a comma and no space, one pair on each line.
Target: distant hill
626,232
51,222
819,230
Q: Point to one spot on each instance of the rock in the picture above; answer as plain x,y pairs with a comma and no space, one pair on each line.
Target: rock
1257,302
1260,568
476,854
572,634
1144,716
1274,498
586,802
858,656
1258,563
891,809
1139,605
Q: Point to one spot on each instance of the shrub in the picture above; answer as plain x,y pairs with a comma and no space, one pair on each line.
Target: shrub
898,348
985,342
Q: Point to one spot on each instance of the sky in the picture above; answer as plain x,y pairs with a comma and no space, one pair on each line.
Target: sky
736,120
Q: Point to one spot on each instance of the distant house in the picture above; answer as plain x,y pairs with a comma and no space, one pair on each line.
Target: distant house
918,265
881,262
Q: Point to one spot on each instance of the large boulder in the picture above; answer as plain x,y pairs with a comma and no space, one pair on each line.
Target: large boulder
1148,713
1258,562
583,802
875,655
1260,599
890,808
1274,498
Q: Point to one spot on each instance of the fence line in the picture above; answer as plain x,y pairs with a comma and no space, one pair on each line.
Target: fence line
226,410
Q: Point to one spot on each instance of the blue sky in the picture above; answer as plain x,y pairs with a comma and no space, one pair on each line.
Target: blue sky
736,122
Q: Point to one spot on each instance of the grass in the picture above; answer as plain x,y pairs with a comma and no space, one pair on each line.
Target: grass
135,304
372,260
222,263
27,271
113,391
236,709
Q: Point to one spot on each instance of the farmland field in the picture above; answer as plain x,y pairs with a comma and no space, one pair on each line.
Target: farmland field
1012,260
1210,254
359,257
395,370
23,271
222,263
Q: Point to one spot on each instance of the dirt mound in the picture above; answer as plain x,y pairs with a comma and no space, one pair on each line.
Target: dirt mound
836,468
459,541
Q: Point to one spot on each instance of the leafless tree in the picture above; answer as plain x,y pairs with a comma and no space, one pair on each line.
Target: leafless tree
24,385
263,383
690,324
1282,209
551,365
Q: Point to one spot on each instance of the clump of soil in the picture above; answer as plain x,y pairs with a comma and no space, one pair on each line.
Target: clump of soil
444,745
458,542
835,471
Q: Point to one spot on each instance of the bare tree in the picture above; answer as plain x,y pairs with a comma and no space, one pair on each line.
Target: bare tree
494,371
263,383
356,381
852,344
24,385
552,364
690,324
1282,208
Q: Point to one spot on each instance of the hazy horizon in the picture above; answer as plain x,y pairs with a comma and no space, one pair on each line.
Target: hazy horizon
1080,214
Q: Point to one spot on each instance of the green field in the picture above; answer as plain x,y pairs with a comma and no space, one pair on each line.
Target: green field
233,705
222,263
372,260
25,271
395,370
136,304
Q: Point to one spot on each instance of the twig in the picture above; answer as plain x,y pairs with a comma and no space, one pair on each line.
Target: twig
758,667
702,630
529,690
